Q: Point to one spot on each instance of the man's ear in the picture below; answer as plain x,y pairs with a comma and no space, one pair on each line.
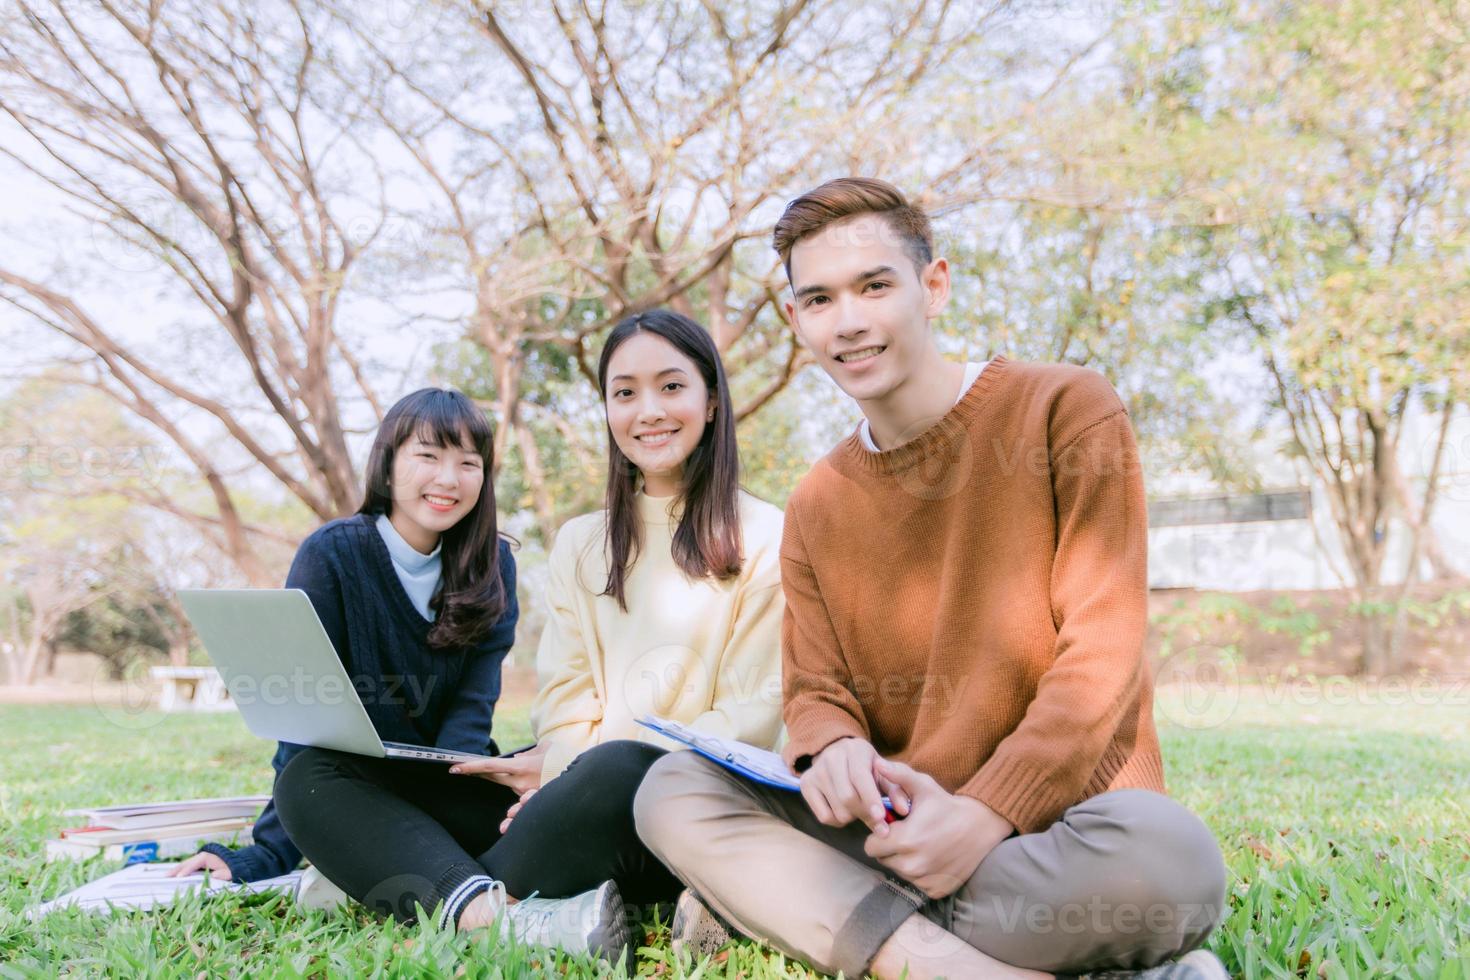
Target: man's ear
790,308
936,286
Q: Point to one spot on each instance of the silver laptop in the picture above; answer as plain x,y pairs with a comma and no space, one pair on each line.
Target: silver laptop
284,675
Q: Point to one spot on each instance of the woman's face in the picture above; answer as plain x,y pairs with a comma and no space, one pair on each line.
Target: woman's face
434,487
657,408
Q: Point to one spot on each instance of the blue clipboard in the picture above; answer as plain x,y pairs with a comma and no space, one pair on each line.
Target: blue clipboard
756,764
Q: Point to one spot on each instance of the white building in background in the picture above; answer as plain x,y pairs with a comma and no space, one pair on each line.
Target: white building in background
1286,538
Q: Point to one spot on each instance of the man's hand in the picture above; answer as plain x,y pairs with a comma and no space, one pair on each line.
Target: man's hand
521,773
942,840
203,861
841,786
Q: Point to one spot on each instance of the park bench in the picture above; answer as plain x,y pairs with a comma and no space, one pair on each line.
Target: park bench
191,689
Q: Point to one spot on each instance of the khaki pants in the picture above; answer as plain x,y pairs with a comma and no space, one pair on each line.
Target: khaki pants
1126,879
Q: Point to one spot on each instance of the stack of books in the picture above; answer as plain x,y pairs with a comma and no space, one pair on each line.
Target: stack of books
137,832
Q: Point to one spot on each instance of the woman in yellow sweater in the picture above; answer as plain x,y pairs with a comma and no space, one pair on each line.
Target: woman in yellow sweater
666,602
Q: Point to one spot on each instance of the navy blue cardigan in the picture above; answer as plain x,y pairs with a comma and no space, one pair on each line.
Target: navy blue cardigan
414,694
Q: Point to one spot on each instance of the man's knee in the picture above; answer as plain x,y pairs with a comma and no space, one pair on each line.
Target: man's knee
1183,841
1179,872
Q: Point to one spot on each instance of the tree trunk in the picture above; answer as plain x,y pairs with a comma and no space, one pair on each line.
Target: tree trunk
13,663
1378,613
1377,645
35,649
536,477
1419,522
14,647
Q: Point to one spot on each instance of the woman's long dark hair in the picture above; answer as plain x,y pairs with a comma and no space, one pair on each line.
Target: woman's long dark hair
471,596
707,540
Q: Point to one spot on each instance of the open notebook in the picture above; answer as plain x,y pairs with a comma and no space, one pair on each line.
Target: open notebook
147,886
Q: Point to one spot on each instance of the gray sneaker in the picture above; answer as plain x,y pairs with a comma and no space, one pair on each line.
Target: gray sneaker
592,922
697,928
1198,965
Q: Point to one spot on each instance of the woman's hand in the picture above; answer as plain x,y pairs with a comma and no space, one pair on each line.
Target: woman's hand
203,861
521,773
515,808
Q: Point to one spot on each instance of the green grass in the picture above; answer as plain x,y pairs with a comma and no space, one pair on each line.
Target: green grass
1345,827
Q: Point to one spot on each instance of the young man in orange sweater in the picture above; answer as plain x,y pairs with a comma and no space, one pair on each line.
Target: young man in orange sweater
965,586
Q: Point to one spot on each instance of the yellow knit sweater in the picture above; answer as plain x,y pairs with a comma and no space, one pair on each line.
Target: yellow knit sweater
973,602
706,653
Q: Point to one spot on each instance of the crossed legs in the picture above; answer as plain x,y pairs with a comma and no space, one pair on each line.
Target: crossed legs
1126,879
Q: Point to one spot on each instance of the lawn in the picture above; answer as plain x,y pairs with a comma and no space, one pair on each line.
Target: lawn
1344,816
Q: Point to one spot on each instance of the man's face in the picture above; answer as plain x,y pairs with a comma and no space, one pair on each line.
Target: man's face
862,307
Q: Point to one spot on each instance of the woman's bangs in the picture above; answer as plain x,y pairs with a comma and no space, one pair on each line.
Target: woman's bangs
447,421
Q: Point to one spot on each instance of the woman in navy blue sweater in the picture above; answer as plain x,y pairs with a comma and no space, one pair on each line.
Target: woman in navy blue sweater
417,592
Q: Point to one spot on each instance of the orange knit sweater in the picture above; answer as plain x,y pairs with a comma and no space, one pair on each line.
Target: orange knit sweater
973,601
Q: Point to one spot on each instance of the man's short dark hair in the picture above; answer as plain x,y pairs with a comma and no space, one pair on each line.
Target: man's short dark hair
848,197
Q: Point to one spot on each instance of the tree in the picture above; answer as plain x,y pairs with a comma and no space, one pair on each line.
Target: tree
55,562
1106,285
538,180
139,616
199,134
582,163
82,559
1335,136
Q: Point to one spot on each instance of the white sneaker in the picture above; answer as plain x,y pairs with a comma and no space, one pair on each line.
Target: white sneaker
696,927
592,922
314,891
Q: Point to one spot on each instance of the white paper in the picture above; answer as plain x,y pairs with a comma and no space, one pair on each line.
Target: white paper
146,886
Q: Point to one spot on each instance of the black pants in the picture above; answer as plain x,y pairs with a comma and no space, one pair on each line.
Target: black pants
393,832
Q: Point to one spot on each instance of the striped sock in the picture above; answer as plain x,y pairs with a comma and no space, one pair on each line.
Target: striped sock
462,895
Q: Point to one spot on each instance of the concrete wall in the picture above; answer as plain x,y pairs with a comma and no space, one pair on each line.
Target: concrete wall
1307,553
